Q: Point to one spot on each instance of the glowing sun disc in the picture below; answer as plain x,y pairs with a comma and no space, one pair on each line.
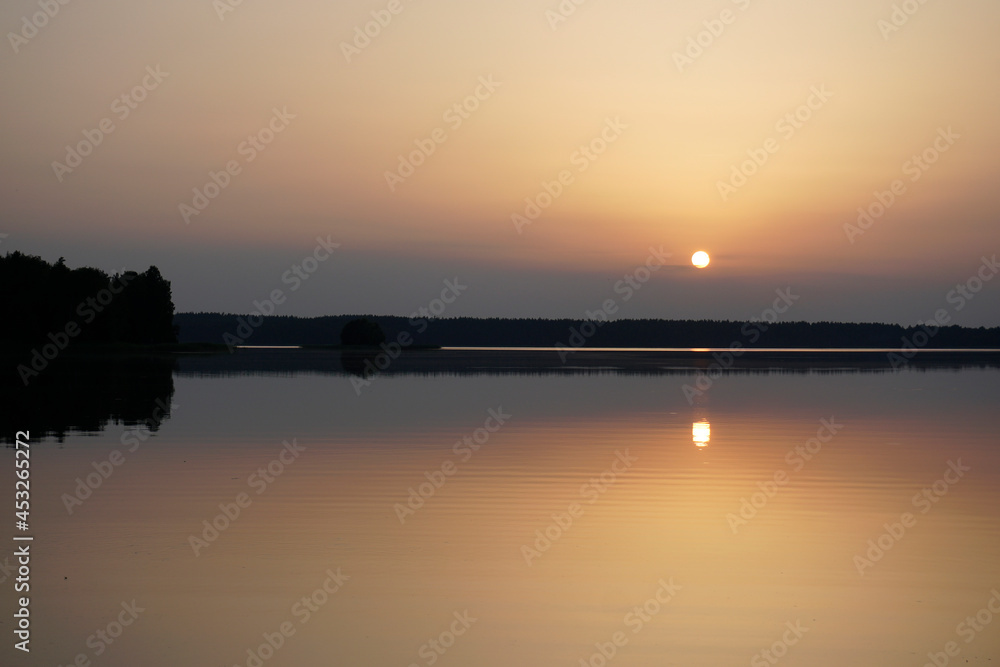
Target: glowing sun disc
701,259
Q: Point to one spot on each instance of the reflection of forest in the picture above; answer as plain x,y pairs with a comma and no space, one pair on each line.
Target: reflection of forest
86,394
370,363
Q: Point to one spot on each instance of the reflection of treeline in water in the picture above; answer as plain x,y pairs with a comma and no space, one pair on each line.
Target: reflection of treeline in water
51,304
522,332
366,363
86,394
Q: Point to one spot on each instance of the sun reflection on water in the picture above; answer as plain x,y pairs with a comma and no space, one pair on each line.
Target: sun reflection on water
701,432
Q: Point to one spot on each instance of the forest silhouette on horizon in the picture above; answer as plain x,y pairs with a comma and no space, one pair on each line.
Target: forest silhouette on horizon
49,303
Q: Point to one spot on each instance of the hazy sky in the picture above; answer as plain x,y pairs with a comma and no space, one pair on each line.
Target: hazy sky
833,101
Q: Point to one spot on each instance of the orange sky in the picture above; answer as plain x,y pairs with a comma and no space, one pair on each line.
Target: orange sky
678,128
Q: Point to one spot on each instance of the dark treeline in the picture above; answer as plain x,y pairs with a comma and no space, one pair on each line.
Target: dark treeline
47,303
500,332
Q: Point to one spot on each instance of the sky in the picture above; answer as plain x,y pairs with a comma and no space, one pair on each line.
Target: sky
537,152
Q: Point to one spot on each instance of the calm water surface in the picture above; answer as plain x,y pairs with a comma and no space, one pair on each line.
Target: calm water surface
607,514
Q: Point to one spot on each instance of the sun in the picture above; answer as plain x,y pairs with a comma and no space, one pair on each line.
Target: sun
701,259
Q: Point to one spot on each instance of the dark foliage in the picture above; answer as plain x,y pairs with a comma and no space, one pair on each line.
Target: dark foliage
362,331
40,301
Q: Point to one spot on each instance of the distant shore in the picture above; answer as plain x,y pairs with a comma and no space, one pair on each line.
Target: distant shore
482,332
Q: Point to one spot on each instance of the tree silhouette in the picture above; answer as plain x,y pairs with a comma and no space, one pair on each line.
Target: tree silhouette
362,331
43,299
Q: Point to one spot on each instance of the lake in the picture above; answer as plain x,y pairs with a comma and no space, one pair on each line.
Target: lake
289,509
